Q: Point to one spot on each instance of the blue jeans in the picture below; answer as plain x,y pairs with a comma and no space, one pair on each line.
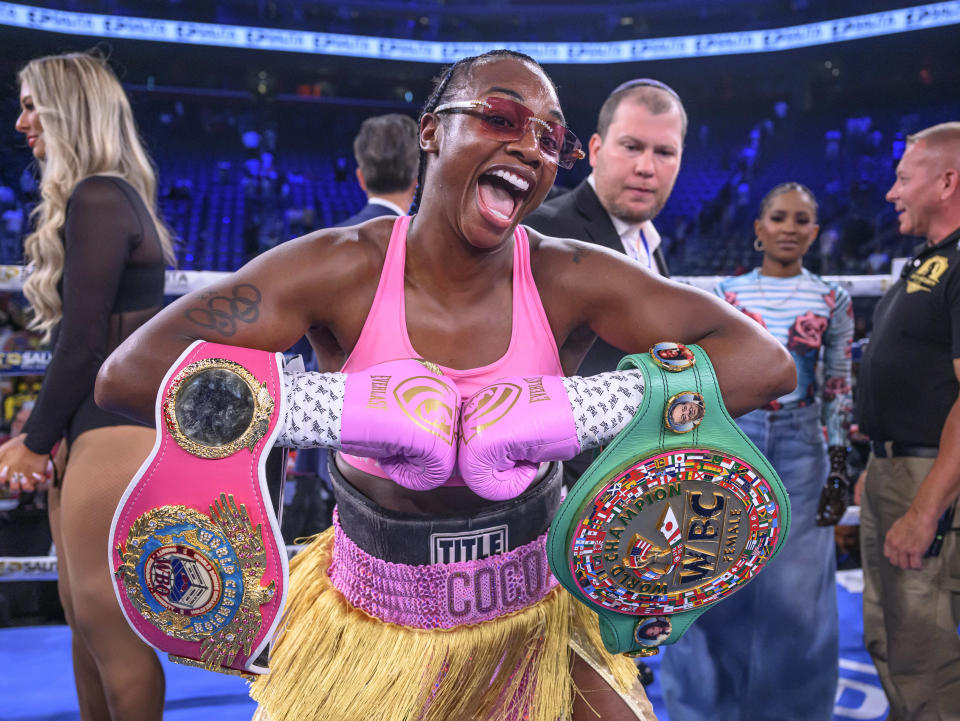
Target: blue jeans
770,650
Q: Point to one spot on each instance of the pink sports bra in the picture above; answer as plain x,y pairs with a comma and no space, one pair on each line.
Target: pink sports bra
532,349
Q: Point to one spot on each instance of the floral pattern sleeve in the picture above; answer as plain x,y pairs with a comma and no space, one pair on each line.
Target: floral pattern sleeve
837,394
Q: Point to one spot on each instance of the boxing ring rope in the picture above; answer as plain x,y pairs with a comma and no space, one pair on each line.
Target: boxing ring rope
44,568
180,282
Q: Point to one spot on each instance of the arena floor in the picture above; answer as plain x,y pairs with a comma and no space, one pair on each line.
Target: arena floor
36,682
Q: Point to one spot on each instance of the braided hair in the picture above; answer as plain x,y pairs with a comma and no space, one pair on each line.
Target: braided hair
787,188
441,87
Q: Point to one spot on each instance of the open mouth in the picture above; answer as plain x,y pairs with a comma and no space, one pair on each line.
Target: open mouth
500,193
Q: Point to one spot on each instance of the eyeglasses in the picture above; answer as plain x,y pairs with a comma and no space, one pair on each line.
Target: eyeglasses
507,120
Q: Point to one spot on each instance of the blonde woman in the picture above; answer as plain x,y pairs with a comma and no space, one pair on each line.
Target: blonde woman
97,254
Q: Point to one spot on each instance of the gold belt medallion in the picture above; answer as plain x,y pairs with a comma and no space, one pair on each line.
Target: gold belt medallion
214,407
198,577
673,532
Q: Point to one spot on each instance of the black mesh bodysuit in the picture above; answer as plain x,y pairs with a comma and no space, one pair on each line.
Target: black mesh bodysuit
112,283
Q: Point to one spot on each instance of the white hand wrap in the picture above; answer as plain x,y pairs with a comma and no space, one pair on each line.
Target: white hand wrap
401,412
314,409
603,404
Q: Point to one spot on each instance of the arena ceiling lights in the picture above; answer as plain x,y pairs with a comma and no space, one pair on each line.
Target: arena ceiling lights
889,22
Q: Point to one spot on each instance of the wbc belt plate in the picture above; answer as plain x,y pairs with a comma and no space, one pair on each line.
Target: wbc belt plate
678,512
199,564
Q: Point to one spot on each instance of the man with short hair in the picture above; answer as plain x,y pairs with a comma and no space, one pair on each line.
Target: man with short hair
635,155
387,151
908,402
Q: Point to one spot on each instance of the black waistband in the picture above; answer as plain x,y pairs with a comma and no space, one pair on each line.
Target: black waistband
893,449
420,538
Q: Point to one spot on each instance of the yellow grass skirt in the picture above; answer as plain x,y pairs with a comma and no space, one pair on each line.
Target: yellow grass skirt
333,662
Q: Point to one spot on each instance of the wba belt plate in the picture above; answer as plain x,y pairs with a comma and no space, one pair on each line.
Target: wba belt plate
678,512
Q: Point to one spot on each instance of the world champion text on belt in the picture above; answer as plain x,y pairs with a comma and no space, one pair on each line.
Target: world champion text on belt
645,545
197,577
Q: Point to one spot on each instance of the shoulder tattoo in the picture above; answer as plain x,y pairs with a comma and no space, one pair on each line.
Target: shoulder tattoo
222,313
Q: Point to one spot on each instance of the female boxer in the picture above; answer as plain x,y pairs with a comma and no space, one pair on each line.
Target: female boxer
462,285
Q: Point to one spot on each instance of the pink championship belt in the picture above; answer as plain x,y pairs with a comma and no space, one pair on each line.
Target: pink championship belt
195,546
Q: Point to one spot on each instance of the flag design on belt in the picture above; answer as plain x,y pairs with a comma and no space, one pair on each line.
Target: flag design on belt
649,560
670,529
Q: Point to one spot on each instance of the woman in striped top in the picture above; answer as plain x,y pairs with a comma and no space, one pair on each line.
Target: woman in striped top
773,646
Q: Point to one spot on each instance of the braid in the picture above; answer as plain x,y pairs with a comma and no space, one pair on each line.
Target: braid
440,88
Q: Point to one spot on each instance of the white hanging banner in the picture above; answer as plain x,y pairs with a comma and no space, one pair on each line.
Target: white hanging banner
871,25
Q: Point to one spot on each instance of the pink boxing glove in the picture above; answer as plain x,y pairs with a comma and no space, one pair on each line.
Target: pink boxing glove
508,428
404,414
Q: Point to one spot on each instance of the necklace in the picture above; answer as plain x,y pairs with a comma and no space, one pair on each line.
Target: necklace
783,301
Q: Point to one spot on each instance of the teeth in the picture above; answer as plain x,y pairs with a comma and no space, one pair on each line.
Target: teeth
515,180
499,214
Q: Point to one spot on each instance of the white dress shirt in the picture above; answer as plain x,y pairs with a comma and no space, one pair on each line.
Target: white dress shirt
387,204
639,239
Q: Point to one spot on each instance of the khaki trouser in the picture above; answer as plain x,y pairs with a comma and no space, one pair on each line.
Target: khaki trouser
910,617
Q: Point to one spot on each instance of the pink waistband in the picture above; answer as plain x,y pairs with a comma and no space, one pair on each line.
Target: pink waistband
440,595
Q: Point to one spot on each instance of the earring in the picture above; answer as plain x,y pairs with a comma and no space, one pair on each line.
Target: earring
757,245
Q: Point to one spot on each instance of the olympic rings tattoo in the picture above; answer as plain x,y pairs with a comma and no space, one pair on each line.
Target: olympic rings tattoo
223,313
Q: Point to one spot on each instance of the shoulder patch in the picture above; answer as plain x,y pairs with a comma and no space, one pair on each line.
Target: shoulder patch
928,275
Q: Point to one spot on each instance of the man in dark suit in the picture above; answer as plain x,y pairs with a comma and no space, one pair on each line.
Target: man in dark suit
635,155
387,150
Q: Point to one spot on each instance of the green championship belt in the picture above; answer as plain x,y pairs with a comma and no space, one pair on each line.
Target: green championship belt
677,513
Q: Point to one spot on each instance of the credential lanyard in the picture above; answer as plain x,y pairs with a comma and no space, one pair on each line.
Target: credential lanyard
646,248
635,246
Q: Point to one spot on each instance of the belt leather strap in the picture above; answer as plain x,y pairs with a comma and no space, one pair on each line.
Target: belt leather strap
199,564
675,514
